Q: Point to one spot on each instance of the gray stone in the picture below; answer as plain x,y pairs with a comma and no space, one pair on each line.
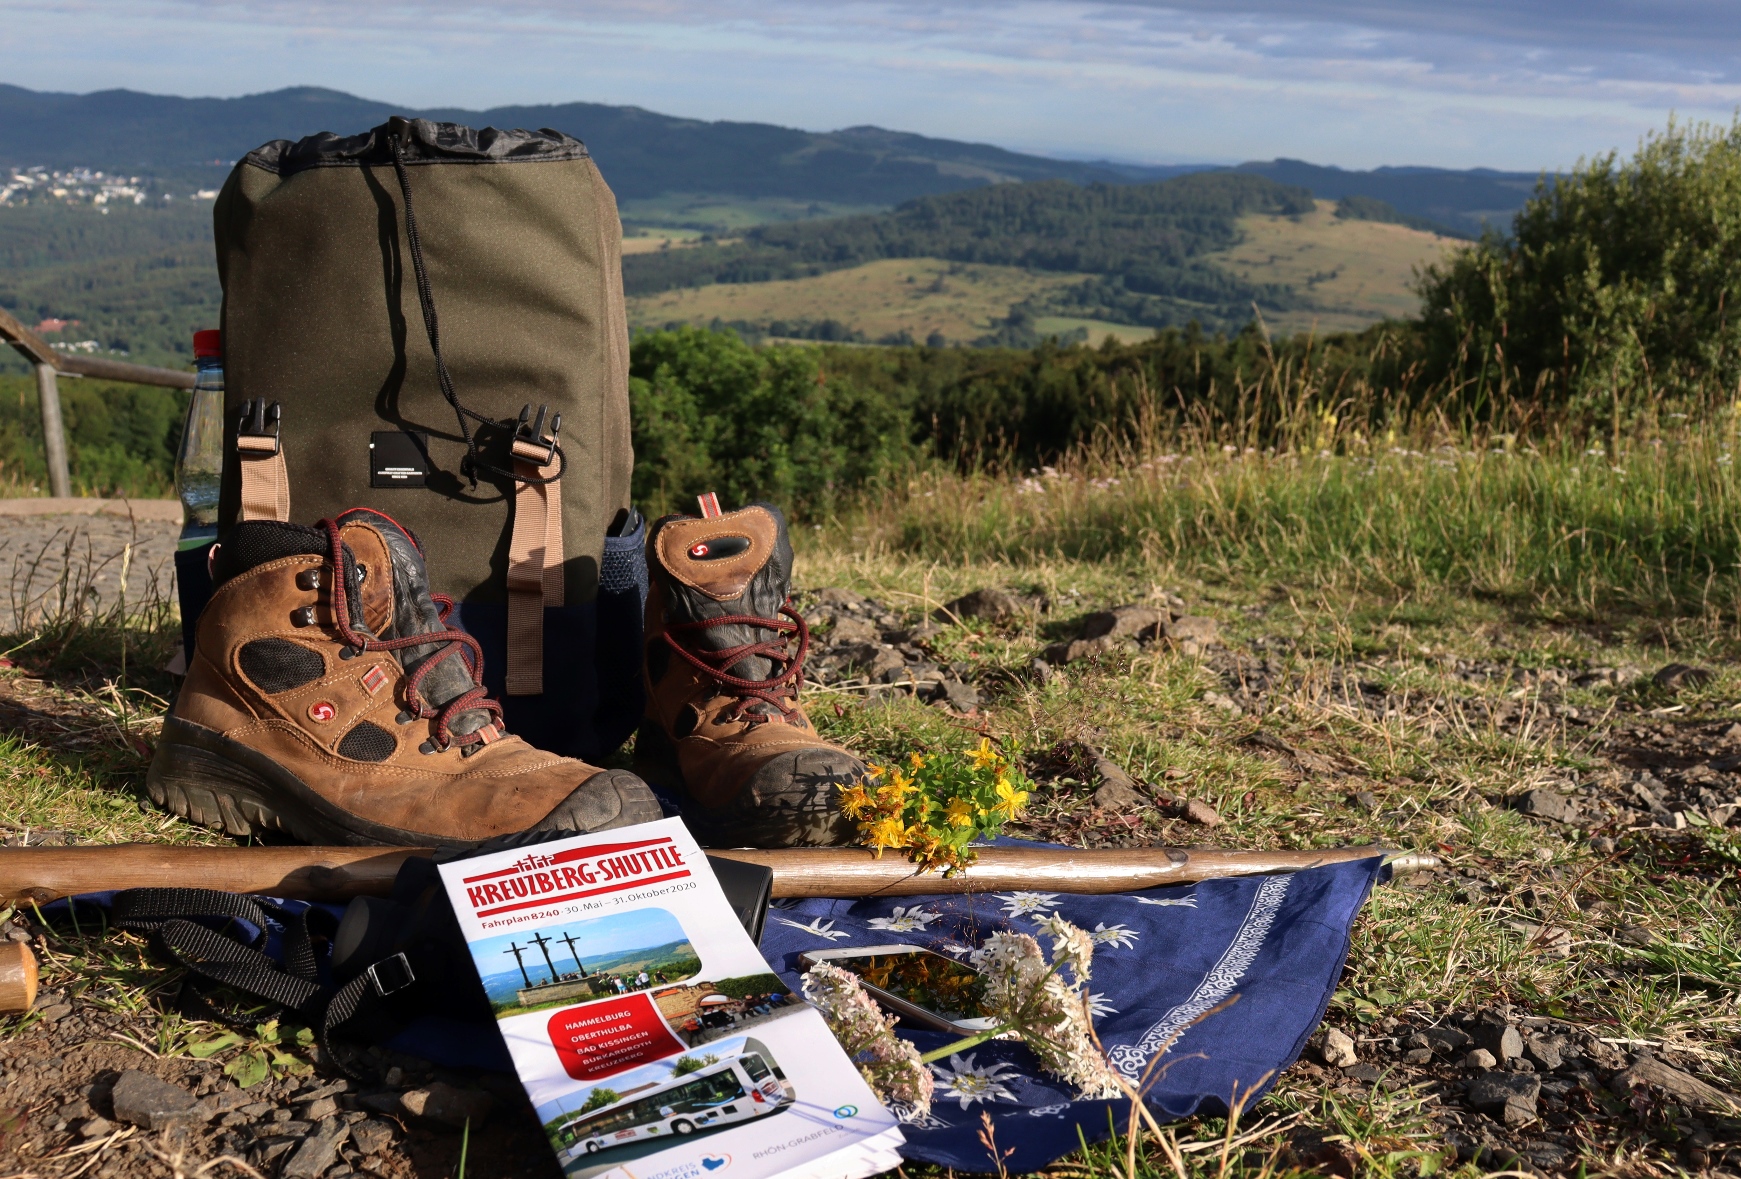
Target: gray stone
1445,1040
837,598
989,604
1117,792
963,698
372,1136
1077,650
1366,1073
873,660
1480,1058
1543,1053
1510,1096
1500,1039
928,629
1547,804
96,1128
282,1128
1364,800
1683,1087
1417,1056
1193,628
850,630
1676,676
267,1153
1337,1049
143,1100
317,1152
1119,797
1195,810
320,1109
1124,622
1221,702
442,1103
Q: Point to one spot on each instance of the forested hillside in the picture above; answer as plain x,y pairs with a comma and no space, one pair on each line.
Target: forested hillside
139,279
1143,243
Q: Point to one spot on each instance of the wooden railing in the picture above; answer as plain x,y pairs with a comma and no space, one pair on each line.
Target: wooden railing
50,364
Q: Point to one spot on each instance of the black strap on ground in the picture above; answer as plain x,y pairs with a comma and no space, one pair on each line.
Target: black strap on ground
173,917
473,462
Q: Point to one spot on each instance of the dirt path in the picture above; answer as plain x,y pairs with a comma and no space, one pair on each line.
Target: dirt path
55,552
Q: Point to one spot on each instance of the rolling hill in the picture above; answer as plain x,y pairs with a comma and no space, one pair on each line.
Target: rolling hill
666,170
981,245
1309,269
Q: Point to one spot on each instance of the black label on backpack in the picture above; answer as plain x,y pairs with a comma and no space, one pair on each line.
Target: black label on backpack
398,458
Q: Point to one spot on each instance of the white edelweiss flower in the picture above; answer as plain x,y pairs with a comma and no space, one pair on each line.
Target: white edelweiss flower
911,1115
1099,1005
968,1082
1185,902
819,927
905,920
1122,936
1018,904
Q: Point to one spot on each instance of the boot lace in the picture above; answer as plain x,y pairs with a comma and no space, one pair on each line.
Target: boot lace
779,690
454,642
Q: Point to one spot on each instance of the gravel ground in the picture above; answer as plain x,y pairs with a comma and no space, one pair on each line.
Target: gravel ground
51,560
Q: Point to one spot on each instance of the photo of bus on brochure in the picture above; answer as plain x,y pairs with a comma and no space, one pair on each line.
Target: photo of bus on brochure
649,1032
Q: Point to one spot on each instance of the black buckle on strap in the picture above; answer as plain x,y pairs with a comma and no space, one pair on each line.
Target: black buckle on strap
391,974
531,444
259,420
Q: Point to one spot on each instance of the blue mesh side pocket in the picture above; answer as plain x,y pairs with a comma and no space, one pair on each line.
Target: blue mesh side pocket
622,604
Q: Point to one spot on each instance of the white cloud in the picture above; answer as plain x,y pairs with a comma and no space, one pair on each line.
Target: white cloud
1354,82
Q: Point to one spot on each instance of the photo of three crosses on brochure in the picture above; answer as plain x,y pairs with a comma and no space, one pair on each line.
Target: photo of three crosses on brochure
718,1078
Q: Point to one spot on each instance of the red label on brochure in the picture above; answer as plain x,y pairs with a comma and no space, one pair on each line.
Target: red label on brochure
610,1036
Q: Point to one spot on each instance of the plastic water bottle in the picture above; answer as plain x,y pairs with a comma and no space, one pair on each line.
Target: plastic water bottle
199,466
199,470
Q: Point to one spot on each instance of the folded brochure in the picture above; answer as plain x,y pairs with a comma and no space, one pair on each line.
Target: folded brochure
649,1032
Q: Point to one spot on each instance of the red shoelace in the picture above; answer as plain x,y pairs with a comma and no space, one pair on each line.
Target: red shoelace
776,689
454,642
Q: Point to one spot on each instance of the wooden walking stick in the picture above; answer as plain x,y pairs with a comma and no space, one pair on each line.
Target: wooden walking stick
338,873
17,978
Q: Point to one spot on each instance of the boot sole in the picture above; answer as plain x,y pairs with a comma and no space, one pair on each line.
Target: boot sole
207,778
811,818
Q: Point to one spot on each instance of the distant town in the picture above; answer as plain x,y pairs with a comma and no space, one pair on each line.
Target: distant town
84,186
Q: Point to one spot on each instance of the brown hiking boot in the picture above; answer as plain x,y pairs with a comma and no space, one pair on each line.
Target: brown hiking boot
327,698
724,730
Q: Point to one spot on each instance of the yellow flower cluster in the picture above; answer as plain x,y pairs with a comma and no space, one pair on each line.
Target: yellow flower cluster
936,806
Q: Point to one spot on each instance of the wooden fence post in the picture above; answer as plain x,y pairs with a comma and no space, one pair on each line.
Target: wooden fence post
53,434
47,362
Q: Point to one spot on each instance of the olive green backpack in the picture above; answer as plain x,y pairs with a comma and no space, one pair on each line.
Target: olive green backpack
427,320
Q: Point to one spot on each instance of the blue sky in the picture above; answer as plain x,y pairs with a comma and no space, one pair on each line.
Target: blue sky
1516,84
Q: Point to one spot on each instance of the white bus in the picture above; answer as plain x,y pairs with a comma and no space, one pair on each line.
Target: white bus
736,1089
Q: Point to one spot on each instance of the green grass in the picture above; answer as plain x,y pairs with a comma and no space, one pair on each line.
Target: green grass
1562,529
1395,564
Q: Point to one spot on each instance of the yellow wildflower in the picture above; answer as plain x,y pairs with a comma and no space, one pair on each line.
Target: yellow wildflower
889,832
875,771
1010,800
983,754
959,813
901,784
917,760
854,800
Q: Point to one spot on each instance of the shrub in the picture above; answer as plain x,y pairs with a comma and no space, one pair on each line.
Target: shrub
1614,286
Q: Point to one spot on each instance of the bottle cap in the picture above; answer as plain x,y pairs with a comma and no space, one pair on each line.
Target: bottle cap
208,343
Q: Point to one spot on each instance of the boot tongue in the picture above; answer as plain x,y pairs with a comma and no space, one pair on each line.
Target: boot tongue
414,613
762,597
